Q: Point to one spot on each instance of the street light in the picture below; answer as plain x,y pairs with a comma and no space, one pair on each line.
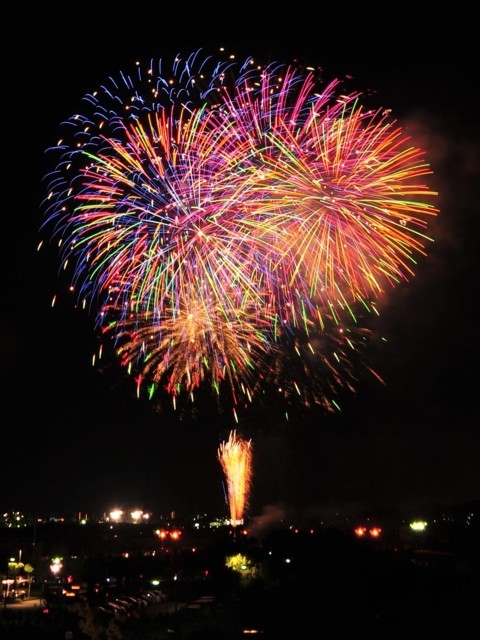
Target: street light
175,578
175,536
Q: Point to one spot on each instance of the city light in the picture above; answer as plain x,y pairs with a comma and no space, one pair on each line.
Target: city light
56,566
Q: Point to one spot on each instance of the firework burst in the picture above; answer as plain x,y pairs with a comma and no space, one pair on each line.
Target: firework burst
219,215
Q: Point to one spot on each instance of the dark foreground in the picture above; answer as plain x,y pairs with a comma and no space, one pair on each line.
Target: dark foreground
290,585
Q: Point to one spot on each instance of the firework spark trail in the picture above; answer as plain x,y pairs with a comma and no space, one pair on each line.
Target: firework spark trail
190,344
315,367
235,457
334,194
218,213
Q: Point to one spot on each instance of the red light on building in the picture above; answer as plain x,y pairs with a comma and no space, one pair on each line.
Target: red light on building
373,532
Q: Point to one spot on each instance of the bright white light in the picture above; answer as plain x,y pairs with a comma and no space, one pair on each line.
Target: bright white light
418,525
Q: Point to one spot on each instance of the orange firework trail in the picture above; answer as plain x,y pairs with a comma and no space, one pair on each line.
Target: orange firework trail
235,456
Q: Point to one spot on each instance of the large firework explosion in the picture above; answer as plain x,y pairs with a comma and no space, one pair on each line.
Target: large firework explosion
221,215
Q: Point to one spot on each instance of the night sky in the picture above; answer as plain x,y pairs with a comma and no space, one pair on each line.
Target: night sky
75,439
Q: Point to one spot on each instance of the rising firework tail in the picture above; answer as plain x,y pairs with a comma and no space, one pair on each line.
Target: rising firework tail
235,457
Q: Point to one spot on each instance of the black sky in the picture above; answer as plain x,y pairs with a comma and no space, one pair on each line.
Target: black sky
74,439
